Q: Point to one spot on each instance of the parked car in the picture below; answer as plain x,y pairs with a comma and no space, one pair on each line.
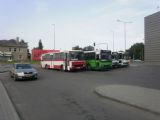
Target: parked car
123,63
137,61
21,71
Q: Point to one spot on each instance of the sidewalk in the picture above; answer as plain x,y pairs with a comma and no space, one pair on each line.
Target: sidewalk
4,68
7,111
139,97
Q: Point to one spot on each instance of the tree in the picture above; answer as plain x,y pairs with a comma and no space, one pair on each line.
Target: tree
137,51
88,48
76,48
40,45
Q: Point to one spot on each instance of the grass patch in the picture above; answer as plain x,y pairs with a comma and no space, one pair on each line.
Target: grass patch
35,62
27,61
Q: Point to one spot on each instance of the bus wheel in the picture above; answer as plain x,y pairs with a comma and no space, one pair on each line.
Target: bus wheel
62,68
46,66
88,67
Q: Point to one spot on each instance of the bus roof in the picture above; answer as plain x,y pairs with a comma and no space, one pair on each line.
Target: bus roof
65,51
96,51
72,51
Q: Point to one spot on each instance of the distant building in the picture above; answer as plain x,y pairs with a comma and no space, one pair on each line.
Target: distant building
152,38
13,50
36,53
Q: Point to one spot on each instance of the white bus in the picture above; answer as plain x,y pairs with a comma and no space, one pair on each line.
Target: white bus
65,60
123,59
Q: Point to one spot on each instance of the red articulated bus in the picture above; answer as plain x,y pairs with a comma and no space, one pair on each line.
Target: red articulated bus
65,60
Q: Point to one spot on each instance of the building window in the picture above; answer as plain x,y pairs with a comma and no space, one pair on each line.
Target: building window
14,49
20,56
10,49
19,49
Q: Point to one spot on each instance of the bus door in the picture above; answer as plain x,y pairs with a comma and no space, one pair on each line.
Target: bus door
66,58
51,60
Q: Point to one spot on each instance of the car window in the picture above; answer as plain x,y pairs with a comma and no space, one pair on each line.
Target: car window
23,66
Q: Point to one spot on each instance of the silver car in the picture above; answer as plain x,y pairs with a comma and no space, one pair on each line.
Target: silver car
23,71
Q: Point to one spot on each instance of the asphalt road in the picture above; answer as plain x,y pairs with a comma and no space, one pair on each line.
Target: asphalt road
60,95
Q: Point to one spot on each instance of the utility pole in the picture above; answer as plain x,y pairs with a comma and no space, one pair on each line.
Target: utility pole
158,6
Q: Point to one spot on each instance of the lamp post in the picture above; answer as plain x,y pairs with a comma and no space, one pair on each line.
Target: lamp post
113,38
124,23
158,5
54,35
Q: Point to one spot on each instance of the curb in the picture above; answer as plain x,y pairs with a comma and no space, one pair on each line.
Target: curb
96,91
4,71
8,111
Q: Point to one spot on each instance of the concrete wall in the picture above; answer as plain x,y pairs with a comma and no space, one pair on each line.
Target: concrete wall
152,38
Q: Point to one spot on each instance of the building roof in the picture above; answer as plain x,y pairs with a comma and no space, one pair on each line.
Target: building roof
13,43
154,14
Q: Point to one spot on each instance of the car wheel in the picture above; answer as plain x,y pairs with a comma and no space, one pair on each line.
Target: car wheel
14,77
62,68
11,74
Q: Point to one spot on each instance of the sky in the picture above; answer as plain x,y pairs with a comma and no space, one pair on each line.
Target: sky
77,22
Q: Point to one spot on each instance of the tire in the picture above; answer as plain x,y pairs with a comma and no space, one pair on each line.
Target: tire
14,77
46,66
11,75
88,68
62,68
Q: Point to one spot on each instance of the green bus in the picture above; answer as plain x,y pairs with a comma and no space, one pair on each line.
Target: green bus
98,60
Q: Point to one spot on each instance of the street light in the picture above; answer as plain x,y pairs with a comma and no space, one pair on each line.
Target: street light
113,38
124,23
158,5
54,35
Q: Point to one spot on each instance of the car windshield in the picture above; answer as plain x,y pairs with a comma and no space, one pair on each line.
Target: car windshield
23,66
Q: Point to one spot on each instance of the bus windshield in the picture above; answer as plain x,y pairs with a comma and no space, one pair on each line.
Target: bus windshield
115,56
106,55
123,56
76,55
